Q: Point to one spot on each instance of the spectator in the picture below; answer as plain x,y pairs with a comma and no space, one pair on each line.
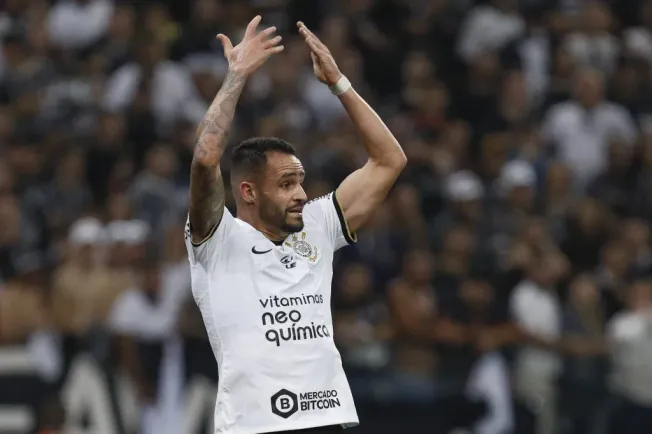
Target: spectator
465,194
631,357
583,381
82,290
152,193
537,310
616,179
76,24
489,28
363,330
414,309
581,130
587,232
593,45
515,191
557,197
164,84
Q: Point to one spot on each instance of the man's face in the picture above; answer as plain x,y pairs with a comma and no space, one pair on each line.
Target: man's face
589,89
281,197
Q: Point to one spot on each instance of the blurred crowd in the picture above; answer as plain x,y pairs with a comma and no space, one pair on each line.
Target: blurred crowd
518,236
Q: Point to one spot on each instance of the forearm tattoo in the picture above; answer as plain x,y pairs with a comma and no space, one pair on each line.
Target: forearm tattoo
206,185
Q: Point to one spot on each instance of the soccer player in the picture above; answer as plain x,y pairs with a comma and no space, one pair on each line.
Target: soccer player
262,280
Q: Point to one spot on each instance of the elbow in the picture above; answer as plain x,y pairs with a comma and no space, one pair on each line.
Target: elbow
395,161
401,161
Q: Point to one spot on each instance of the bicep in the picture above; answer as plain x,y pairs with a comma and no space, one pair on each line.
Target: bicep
362,192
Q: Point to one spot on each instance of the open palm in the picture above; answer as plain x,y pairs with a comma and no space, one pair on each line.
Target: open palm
254,49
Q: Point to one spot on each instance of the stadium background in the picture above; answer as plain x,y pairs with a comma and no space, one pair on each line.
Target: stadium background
503,286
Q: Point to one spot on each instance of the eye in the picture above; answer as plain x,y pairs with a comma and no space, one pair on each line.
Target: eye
286,185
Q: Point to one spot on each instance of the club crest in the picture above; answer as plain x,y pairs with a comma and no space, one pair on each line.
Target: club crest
303,248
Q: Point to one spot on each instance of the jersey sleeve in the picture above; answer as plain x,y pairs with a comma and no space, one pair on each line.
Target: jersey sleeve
206,251
326,211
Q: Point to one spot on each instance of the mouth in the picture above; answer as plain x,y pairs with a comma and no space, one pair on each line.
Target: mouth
296,211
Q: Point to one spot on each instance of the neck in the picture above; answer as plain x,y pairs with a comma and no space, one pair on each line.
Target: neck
273,234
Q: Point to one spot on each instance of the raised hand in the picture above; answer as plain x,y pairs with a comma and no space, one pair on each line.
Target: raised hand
253,50
323,64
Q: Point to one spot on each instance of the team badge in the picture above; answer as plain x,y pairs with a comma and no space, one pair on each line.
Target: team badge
303,248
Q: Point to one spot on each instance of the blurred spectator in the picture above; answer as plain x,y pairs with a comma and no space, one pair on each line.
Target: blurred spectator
465,194
57,204
489,28
515,191
538,312
82,287
152,194
592,45
413,305
583,390
581,130
362,329
629,336
155,82
76,24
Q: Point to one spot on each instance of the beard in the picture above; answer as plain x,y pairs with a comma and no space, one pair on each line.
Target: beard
279,218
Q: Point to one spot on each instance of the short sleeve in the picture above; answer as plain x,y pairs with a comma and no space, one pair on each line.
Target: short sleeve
205,252
520,306
326,211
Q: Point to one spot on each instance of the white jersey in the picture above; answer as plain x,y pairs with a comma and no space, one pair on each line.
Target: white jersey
266,309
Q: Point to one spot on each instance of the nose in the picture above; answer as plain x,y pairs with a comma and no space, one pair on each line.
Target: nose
300,195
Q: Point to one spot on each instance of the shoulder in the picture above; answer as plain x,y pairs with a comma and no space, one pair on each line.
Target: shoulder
318,201
561,109
625,326
223,242
524,295
316,209
616,109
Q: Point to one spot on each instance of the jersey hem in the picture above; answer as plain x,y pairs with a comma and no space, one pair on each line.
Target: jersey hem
210,234
348,424
351,238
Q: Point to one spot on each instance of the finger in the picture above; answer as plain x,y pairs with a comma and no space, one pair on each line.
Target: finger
310,38
306,32
267,33
276,50
314,47
273,42
226,43
252,26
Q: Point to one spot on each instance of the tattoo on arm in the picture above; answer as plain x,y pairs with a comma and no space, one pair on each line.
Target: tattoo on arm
206,186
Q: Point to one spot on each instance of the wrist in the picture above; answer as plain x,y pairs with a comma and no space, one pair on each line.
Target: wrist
340,86
330,83
237,72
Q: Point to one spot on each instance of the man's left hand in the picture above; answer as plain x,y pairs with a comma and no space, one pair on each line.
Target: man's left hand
323,64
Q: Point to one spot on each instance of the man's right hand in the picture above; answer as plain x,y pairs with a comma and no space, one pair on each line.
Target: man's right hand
254,49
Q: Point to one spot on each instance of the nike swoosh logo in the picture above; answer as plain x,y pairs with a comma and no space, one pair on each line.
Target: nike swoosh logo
259,252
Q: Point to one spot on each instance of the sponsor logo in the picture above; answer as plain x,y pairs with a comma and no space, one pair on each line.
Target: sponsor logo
288,261
282,319
286,403
259,252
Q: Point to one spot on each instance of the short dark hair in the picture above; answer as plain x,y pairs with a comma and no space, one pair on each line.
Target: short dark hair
251,155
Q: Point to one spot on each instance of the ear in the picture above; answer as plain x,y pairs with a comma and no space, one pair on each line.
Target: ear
247,192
